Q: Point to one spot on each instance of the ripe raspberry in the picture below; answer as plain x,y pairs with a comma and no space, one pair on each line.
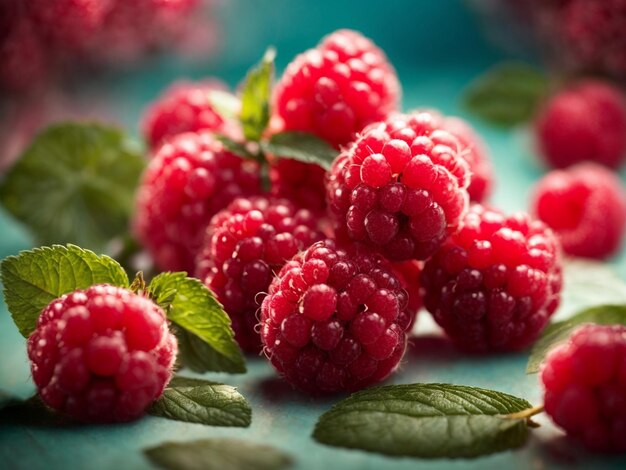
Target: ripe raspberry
585,387
494,285
408,273
302,183
338,88
245,244
401,187
185,107
68,23
586,121
190,179
335,319
586,207
102,354
475,153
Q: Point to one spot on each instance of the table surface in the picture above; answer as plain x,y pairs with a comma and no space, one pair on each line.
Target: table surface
282,417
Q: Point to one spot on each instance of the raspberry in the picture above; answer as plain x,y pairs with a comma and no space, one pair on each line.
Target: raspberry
102,354
408,273
338,88
585,386
586,207
494,285
185,107
189,179
586,121
302,183
401,187
335,319
245,244
475,153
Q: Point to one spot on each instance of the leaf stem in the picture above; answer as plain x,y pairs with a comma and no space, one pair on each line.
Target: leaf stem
525,414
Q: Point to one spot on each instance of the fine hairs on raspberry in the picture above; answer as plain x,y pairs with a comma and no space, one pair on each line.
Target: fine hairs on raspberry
494,285
103,354
585,386
401,187
244,246
335,319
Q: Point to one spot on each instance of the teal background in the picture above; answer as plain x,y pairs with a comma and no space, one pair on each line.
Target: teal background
437,49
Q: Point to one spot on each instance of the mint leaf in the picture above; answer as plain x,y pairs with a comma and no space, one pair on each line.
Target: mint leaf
301,146
203,402
193,308
33,279
224,103
507,95
74,184
235,147
217,454
425,420
589,284
558,332
255,97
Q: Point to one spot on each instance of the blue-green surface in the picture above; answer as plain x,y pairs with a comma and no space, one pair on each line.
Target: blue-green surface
437,51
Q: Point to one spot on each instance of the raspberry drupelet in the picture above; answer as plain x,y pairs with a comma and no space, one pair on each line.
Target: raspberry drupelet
585,387
335,319
300,182
584,122
494,285
585,205
245,245
336,89
103,354
190,178
401,188
185,107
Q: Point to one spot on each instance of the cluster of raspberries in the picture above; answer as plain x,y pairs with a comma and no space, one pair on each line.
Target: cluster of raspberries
40,39
324,272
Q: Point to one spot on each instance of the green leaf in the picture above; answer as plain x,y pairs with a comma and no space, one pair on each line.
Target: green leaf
255,97
193,308
508,94
217,454
301,146
74,184
203,402
235,147
224,103
558,332
35,278
425,420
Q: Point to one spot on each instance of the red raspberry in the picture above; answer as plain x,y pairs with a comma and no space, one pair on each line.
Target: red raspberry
189,179
302,183
102,354
185,107
408,273
586,121
585,387
475,153
401,187
338,88
68,23
335,319
586,206
494,285
245,244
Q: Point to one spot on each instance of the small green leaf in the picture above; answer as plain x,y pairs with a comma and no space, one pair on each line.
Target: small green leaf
255,97
301,146
193,308
74,184
508,94
35,278
235,147
218,454
224,103
425,420
203,402
558,332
